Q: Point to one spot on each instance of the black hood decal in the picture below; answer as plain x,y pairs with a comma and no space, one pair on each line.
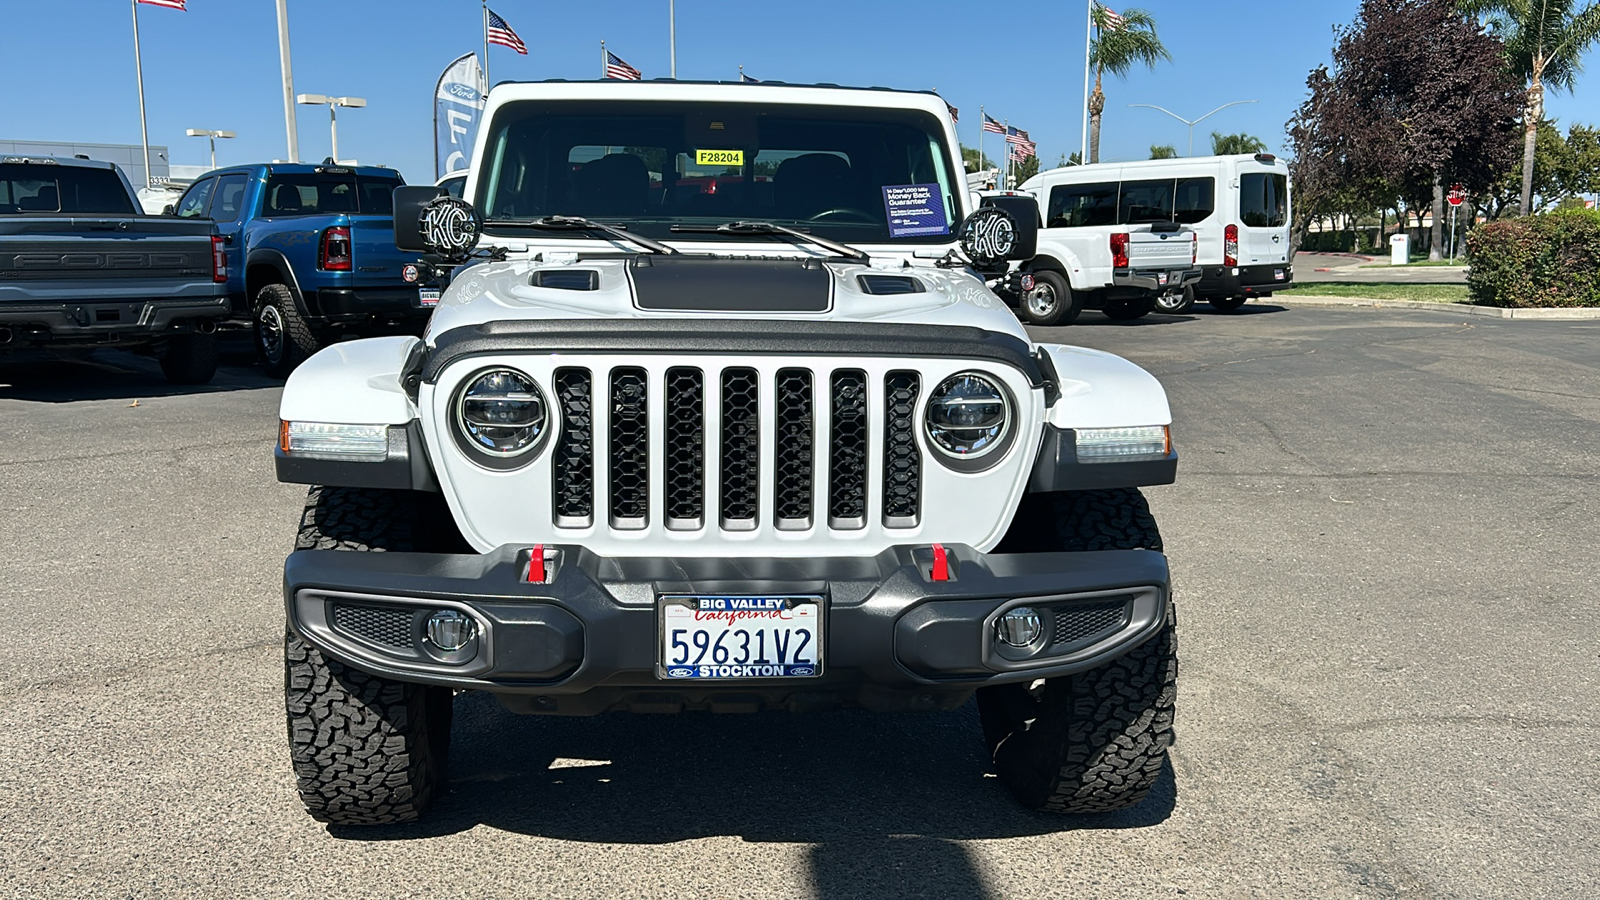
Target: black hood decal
712,284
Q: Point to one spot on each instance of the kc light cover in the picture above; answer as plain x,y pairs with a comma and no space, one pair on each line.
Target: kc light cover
323,440
1138,444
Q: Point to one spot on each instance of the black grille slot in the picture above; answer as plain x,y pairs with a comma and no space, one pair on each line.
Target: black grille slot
741,433
630,448
902,462
847,451
385,626
793,454
568,279
572,467
890,284
1086,623
686,452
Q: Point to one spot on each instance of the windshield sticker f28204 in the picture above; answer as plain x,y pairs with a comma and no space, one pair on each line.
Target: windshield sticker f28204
915,209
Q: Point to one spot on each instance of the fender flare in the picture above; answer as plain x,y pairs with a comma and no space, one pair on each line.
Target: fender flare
262,256
1098,390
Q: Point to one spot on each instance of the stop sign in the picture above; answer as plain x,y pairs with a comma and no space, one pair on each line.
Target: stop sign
1458,195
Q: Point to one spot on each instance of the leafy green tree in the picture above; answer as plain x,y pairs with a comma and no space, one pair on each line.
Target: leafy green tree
1163,151
1026,169
969,156
1076,159
1580,172
1233,144
1116,48
1545,41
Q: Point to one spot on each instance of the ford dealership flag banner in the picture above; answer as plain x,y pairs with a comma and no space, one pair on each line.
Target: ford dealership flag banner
457,110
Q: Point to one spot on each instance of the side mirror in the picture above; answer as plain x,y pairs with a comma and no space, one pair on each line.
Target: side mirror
1024,212
428,220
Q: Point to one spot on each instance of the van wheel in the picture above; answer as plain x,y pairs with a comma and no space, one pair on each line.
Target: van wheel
1176,303
1128,310
1051,302
284,339
1227,304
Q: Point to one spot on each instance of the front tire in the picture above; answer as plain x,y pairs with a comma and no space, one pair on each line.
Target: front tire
366,750
1051,302
1095,741
284,338
1128,310
1227,304
190,358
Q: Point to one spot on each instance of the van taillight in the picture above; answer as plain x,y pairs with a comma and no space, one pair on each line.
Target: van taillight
1194,248
1119,250
1230,245
335,255
219,261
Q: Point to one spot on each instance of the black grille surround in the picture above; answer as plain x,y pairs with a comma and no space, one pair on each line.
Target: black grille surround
630,448
572,465
902,461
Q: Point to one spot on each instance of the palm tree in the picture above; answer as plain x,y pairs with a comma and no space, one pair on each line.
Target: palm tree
1163,151
1545,42
1118,44
1231,144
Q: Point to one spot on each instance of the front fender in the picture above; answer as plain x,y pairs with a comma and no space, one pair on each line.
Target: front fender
1098,390
352,383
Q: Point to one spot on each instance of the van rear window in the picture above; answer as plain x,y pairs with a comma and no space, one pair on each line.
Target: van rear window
26,188
1263,200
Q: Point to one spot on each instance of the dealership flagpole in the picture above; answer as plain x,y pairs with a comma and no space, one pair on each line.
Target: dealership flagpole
138,69
486,82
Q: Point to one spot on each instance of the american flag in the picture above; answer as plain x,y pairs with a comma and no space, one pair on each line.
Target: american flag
500,33
989,124
1023,149
1017,153
1109,20
169,4
955,114
616,68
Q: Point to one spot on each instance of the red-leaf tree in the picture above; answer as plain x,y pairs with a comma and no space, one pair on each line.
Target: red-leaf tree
1418,97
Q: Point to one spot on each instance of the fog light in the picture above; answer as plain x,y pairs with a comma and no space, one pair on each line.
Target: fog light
1018,627
451,630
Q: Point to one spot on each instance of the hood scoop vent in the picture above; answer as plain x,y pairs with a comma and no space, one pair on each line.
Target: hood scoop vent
890,284
713,284
567,279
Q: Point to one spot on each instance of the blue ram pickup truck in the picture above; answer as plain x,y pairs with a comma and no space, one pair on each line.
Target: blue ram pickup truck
314,255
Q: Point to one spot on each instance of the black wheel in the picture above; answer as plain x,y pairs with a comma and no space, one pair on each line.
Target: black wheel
1176,303
283,337
1128,310
366,750
190,358
1051,302
1227,304
1095,741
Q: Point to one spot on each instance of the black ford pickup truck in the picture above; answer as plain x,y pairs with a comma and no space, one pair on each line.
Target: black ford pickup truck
81,267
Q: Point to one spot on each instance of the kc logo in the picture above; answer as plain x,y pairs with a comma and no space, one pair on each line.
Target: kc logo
449,227
988,235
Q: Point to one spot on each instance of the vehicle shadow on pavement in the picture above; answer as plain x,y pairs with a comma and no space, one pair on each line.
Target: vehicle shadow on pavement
845,780
120,375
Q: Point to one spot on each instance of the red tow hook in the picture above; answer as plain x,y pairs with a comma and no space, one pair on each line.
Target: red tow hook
941,564
536,572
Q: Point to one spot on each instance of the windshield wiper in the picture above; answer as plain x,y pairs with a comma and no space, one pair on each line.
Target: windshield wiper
578,223
775,228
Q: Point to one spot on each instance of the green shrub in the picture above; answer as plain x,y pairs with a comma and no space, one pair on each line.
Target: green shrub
1545,260
1328,242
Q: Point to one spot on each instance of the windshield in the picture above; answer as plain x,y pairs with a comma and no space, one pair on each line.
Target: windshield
850,174
62,189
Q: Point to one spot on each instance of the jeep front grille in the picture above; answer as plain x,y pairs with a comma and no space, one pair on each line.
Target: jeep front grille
714,439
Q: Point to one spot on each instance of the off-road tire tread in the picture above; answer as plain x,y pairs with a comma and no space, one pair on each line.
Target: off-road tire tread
190,358
1097,741
366,750
299,340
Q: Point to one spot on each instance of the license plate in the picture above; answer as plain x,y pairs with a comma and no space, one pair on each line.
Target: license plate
714,637
428,296
1277,274
1161,278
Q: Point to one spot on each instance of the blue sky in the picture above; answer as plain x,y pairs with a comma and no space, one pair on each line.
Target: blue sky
216,66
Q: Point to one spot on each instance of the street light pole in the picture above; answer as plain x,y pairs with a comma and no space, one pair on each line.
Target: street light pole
1196,121
333,103
288,81
212,137
672,34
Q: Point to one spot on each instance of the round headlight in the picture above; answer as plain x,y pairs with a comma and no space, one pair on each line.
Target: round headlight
968,416
502,413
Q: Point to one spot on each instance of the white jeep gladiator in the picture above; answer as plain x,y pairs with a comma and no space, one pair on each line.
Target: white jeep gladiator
716,413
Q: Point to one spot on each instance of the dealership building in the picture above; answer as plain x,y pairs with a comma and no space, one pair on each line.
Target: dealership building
128,157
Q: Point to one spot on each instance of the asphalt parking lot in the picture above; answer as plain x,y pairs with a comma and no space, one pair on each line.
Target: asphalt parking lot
1383,540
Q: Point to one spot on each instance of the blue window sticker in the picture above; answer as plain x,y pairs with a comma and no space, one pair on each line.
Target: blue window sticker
915,209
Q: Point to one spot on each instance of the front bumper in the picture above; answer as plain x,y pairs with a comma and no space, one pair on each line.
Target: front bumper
586,641
1157,281
69,323
1245,281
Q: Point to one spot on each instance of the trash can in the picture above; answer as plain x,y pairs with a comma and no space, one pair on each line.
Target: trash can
1399,249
